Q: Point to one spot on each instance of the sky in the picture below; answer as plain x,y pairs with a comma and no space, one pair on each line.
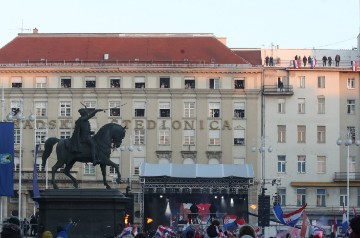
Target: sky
300,24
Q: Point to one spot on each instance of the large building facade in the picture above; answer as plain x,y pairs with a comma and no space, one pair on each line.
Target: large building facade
186,98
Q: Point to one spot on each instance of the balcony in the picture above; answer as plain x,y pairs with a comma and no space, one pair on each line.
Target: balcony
274,90
342,176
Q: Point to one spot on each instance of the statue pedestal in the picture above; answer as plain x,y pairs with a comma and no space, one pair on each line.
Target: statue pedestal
96,211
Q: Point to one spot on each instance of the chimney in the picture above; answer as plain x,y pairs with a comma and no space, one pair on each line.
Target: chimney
35,30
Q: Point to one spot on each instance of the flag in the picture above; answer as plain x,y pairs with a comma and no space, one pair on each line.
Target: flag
288,219
127,231
35,181
134,231
295,64
335,225
162,230
344,223
258,232
304,227
313,62
354,65
7,159
241,221
229,218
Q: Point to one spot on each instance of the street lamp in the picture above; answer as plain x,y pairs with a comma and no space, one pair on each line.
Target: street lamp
347,142
19,116
262,150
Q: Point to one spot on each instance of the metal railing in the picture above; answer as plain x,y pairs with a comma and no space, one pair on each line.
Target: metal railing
342,176
276,90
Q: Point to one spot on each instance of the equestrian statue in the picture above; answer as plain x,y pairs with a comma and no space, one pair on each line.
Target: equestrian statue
82,147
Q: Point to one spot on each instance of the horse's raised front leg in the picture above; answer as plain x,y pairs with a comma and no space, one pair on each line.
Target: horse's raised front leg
67,173
103,171
53,171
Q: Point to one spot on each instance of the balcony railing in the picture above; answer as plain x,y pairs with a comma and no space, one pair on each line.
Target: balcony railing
276,90
342,176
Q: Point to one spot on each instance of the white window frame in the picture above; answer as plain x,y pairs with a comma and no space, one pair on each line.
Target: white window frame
239,110
321,134
343,197
139,136
321,164
282,195
90,104
216,83
65,109
302,81
65,133
321,197
63,82
281,164
214,109
351,83
164,137
321,105
241,81
16,82
350,106
281,105
139,106
214,137
113,80
41,109
139,80
301,105
301,164
112,171
189,109
239,137
136,166
301,132
281,133
40,82
115,109
165,108
321,81
89,169
17,134
90,79
300,197
41,135
189,137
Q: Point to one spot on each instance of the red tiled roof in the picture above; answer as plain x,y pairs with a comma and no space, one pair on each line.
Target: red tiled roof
122,48
253,56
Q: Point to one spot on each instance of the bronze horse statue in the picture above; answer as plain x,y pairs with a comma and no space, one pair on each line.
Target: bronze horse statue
108,137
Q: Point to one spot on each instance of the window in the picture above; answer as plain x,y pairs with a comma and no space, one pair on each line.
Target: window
164,82
281,83
112,170
320,197
189,109
90,104
114,109
351,83
281,164
65,82
300,197
282,195
65,133
16,82
89,169
214,83
115,82
40,109
321,165
352,132
321,82
239,137
189,82
136,164
164,137
15,106
343,197
139,109
16,164
90,82
352,166
139,82
281,106
321,105
41,136
65,109
301,132
351,106
214,137
239,110
17,133
214,109
139,137
281,133
239,83
40,82
321,134
38,164
189,137
302,81
301,164
164,109
301,105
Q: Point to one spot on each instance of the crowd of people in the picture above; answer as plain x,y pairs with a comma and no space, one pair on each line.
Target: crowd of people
307,61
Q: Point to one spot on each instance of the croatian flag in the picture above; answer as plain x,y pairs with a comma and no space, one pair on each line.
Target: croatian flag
345,222
335,226
230,221
162,230
127,231
295,64
258,232
313,62
354,65
288,219
304,231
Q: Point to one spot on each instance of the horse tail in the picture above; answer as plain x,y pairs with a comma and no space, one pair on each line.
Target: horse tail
49,144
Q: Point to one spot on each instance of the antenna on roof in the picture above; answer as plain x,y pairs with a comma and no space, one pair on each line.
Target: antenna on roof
22,29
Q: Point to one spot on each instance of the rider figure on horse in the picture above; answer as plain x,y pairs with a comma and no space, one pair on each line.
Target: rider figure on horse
82,132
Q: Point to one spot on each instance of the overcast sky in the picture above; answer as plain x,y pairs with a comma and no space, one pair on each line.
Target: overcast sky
322,24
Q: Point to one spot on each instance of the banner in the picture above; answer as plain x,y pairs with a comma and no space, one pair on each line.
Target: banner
7,159
35,181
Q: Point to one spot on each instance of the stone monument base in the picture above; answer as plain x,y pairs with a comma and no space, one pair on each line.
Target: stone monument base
96,211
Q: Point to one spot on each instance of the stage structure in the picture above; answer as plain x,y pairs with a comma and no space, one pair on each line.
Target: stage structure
168,190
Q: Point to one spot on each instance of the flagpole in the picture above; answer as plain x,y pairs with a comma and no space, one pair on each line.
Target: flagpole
2,119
